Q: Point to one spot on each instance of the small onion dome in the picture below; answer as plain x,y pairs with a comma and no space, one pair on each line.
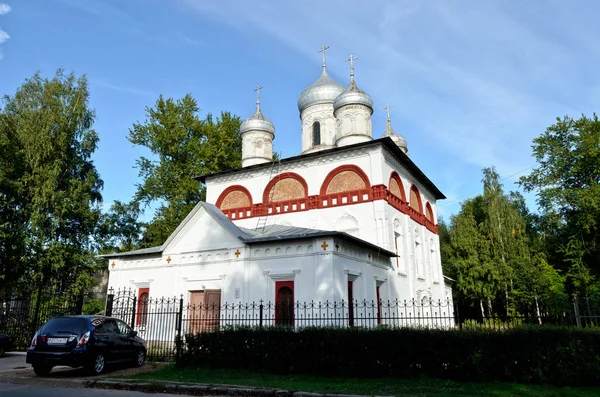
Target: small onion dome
353,96
257,122
398,139
322,91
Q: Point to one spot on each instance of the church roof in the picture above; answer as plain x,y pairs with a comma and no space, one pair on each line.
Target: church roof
385,141
248,236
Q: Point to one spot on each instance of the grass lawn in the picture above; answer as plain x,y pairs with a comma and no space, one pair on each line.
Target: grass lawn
398,387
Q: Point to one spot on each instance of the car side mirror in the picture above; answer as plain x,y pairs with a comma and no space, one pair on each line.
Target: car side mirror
132,334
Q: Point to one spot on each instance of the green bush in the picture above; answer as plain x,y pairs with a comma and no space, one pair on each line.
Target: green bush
561,356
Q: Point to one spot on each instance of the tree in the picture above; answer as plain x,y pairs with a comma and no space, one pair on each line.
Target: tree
567,184
182,146
52,186
121,229
490,249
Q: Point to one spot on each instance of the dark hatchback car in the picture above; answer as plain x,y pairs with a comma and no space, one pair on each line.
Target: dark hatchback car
6,343
84,341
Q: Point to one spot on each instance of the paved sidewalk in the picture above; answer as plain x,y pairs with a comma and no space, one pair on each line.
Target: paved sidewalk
203,389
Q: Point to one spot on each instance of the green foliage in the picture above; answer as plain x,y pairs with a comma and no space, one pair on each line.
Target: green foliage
182,146
561,356
50,186
567,184
93,306
121,229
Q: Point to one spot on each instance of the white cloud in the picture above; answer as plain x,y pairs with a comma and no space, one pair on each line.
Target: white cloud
4,8
123,89
472,81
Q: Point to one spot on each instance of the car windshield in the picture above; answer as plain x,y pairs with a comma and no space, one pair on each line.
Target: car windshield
64,325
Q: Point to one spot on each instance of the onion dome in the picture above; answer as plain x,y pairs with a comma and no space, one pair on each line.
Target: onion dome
322,91
353,95
257,122
398,139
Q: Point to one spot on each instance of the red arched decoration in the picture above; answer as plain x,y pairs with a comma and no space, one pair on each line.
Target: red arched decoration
233,189
396,177
429,213
413,189
343,168
280,177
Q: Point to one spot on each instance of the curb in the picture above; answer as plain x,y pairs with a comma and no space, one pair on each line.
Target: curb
204,389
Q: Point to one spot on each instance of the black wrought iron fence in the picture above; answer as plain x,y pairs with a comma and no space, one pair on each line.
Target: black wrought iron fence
163,321
22,317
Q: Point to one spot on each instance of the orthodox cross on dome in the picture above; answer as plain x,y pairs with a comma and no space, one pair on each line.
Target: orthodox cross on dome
257,90
388,107
351,58
322,51
324,245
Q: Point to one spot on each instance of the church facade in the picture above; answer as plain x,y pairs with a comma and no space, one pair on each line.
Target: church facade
349,218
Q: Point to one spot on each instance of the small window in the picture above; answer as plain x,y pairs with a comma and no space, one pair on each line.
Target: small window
316,133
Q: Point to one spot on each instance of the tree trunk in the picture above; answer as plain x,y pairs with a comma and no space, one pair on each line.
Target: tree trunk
482,311
537,311
489,306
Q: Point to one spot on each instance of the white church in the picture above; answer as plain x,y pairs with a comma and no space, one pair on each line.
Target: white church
350,218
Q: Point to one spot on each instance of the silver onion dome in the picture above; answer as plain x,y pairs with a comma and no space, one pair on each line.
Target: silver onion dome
324,90
353,96
398,139
257,122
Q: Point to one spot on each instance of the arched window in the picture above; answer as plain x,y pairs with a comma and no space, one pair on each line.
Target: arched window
316,133
284,303
143,303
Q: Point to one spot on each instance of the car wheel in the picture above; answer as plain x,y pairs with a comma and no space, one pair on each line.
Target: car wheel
140,358
42,370
96,366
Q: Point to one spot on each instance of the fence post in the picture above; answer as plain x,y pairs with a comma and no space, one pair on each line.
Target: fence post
456,316
133,311
260,314
178,341
576,309
109,304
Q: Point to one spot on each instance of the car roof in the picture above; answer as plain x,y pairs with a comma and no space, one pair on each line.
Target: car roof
84,316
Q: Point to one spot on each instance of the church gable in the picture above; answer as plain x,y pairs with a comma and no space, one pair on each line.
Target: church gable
235,196
201,231
345,178
285,187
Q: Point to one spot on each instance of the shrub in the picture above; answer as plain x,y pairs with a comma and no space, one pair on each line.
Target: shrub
561,356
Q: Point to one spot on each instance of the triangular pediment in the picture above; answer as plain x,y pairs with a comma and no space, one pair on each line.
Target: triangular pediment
203,229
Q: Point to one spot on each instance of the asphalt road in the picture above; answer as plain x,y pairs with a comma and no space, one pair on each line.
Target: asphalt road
12,361
7,389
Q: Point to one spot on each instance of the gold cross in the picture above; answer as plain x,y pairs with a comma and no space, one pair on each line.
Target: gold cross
113,265
169,260
237,253
324,246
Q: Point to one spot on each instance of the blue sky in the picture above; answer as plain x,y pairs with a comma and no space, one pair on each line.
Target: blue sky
471,82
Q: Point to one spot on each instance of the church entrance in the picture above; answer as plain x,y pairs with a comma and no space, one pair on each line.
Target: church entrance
204,310
284,303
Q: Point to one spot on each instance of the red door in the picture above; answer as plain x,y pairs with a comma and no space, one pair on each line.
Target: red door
284,303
